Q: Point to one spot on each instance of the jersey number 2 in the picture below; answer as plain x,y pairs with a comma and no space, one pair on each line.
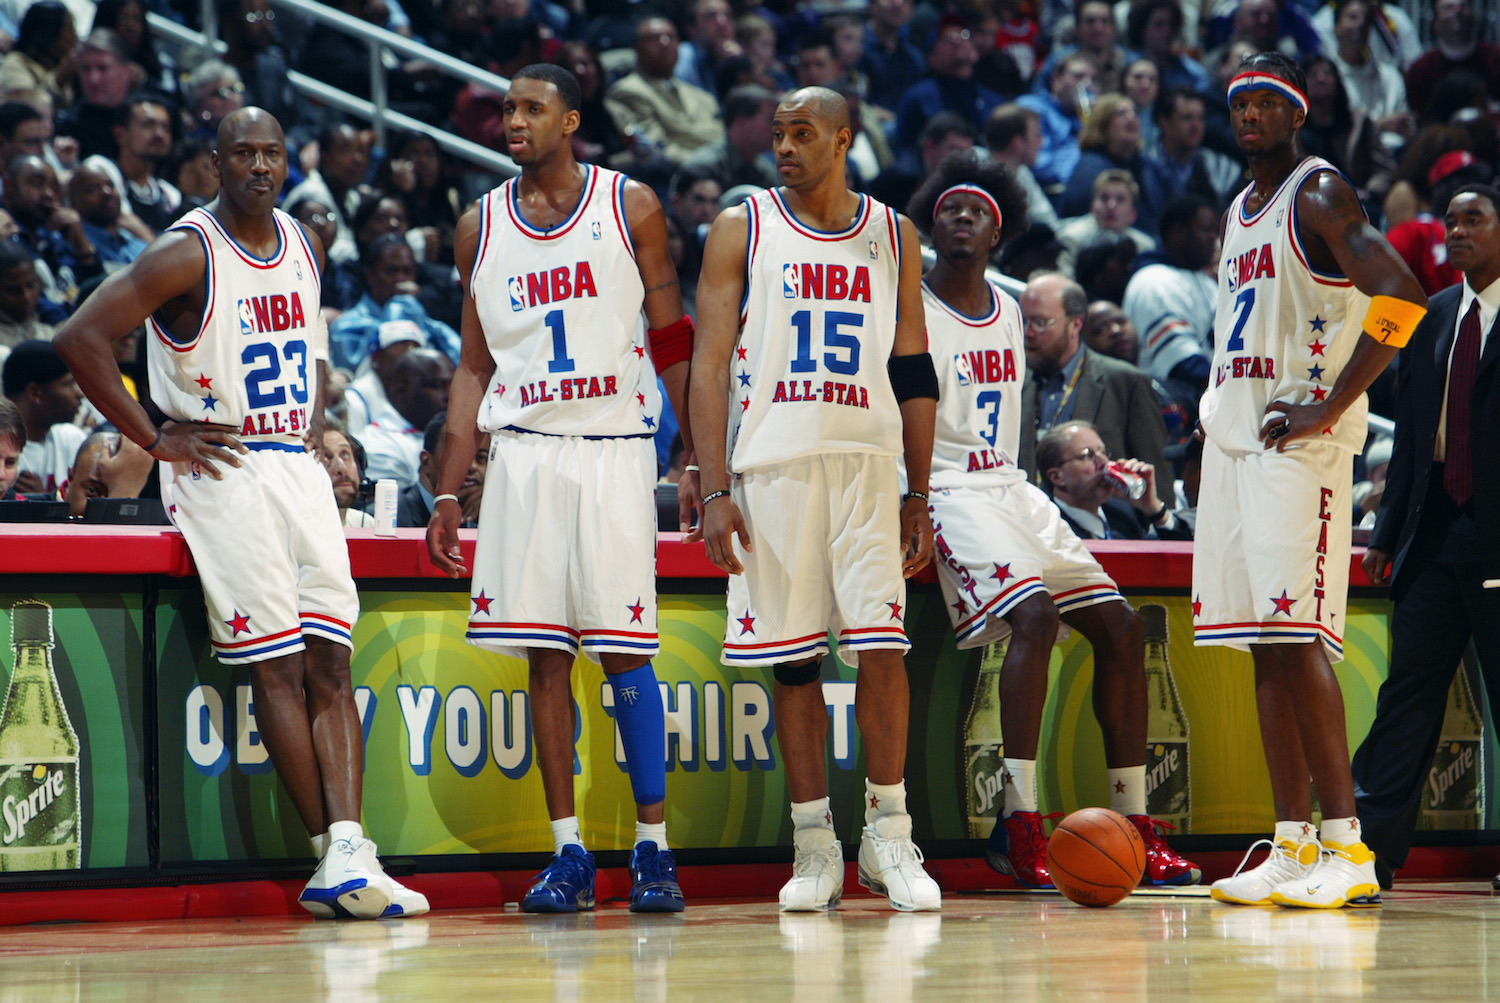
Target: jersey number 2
257,395
833,339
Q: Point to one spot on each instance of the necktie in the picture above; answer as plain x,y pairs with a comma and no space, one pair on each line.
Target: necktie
1458,466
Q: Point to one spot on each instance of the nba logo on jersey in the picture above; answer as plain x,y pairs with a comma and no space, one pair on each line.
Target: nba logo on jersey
247,317
597,231
961,366
874,251
517,287
789,281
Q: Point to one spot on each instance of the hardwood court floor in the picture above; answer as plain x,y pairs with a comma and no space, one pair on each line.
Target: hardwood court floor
1429,941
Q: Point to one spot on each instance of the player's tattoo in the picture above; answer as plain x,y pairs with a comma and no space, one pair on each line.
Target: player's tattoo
673,284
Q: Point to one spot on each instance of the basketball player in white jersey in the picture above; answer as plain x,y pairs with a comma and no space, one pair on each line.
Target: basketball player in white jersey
1008,564
813,354
237,357
1313,304
558,265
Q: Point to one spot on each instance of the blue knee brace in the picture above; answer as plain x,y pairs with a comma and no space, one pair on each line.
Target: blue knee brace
643,732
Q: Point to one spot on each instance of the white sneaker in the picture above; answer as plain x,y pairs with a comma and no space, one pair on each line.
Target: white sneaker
817,873
1345,875
891,865
349,883
404,901
1289,860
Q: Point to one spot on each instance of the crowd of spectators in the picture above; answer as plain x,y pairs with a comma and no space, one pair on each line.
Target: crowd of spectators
1111,115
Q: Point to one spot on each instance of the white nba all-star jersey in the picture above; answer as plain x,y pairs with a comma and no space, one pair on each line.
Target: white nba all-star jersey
252,363
981,367
1283,331
817,326
561,310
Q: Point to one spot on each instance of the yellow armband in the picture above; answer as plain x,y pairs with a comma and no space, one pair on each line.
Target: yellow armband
1391,321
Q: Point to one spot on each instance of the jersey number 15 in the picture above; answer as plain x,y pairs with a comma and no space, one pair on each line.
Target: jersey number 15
834,340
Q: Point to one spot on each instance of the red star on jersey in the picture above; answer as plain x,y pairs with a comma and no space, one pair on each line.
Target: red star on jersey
641,398
636,610
747,623
1119,787
961,607
895,610
500,390
1318,394
481,602
1283,605
1317,347
1197,607
745,404
741,352
640,353
205,381
240,622
1002,572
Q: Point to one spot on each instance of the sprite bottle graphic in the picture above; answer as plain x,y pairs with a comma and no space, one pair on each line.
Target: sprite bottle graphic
1453,797
40,810
984,746
1168,794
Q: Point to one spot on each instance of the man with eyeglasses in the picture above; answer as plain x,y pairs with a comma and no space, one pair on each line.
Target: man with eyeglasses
248,29
1066,381
1076,465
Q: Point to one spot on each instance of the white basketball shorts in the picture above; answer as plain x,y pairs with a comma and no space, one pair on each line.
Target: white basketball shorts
269,550
826,539
566,555
1271,557
997,546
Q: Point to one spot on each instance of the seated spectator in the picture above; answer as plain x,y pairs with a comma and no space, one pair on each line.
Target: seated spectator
212,91
694,200
143,136
1187,456
1422,242
418,390
1019,36
43,57
1411,194
189,169
1172,298
1096,39
1142,85
248,29
1110,140
675,119
1393,37
1112,211
948,86
1374,86
943,133
757,40
342,286
1057,111
23,129
598,140
343,159
40,386
1153,29
1181,164
344,459
20,293
127,18
390,298
890,61
51,231
414,503
1014,137
710,40
1104,268
1457,48
366,398
819,65
478,111
12,441
437,284
1034,252
1066,381
107,465
743,156
1108,331
417,171
105,80
1076,468
1265,25
1344,135
96,200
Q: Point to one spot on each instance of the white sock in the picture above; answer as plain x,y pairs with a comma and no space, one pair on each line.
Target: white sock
1342,831
320,845
565,831
884,799
352,831
655,832
1020,785
811,815
1294,832
1127,790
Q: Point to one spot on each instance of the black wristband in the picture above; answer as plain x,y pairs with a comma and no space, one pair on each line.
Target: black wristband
1154,518
914,494
714,494
154,442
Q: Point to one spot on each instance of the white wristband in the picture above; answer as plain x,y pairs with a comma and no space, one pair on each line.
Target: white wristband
453,498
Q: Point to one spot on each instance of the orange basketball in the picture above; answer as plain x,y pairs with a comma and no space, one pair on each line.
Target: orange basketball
1096,856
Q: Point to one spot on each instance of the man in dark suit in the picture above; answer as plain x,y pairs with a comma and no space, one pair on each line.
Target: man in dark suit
414,503
1065,381
1437,535
1075,464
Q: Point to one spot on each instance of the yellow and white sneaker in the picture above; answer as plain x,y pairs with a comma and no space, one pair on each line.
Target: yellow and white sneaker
1344,876
1289,860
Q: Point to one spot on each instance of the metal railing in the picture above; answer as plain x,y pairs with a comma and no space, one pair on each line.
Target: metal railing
379,42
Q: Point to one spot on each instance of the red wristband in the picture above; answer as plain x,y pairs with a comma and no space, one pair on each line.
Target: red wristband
671,344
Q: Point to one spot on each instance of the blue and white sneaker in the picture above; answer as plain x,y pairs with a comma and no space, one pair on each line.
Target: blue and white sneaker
653,880
349,883
565,885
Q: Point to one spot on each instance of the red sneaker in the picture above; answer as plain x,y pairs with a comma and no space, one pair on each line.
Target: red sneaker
1163,865
1018,846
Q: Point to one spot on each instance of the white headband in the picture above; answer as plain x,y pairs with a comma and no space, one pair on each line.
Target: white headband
969,190
1256,81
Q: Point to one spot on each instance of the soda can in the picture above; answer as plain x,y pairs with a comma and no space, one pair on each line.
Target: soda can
1125,483
385,507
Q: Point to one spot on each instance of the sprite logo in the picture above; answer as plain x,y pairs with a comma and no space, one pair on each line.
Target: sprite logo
1166,778
27,793
1452,786
985,768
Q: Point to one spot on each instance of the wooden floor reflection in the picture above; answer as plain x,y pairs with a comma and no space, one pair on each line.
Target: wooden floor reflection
1429,941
